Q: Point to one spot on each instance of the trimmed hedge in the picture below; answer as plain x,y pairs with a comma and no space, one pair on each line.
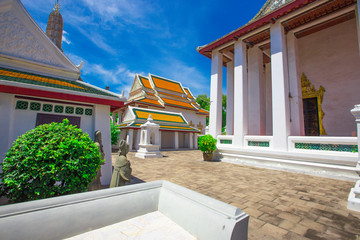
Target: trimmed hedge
51,160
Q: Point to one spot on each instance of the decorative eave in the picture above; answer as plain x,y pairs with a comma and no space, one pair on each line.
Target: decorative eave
114,104
251,26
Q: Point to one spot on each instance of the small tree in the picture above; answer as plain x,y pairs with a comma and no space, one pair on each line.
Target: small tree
51,160
207,143
115,131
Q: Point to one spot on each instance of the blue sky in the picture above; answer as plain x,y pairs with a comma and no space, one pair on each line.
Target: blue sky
118,38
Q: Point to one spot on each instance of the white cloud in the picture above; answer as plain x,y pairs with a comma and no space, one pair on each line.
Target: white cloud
65,37
121,78
109,10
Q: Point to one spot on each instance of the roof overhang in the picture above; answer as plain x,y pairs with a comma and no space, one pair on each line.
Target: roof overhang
114,104
238,33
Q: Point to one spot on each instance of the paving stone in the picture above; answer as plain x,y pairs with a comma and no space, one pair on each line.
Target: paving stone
289,217
271,219
320,203
313,225
253,212
270,210
275,231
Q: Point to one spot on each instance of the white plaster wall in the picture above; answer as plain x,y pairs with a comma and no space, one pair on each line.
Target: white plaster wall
6,115
16,122
167,140
102,123
182,140
331,58
268,99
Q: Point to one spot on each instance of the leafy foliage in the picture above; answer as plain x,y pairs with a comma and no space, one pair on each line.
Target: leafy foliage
207,143
51,160
115,131
204,101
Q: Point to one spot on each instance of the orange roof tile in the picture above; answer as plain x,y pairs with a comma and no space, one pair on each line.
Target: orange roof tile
177,103
188,93
145,82
146,100
167,84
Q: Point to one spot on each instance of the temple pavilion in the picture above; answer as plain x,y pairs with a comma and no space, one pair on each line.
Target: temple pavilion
170,105
292,78
39,84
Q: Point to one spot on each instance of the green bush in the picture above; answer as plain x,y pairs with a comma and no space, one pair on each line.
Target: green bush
115,131
207,143
51,160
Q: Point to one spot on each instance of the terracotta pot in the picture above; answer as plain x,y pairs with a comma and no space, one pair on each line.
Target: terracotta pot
207,156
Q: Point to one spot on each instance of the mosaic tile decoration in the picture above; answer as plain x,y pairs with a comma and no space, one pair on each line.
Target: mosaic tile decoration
47,107
327,147
23,105
258,144
36,106
225,141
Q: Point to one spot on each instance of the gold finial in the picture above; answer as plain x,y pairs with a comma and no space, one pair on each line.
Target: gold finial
57,6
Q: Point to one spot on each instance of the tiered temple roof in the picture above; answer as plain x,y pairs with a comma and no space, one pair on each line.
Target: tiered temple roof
160,92
167,120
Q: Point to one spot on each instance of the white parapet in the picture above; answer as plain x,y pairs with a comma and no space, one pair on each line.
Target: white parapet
67,216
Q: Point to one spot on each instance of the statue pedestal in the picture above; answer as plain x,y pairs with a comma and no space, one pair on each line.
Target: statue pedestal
148,151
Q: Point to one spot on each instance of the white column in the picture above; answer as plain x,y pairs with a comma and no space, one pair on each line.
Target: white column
102,123
240,94
230,98
356,112
195,141
176,140
256,90
191,140
130,138
216,94
296,105
280,88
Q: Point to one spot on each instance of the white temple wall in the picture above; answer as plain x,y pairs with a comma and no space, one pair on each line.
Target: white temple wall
16,122
333,62
167,140
181,140
268,100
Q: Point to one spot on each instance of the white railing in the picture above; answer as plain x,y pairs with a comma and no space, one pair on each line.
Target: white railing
263,142
323,144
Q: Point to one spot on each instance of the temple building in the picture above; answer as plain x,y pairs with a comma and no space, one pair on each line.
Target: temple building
171,106
292,78
39,84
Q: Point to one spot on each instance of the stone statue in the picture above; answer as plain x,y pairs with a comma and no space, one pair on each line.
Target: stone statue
122,169
96,183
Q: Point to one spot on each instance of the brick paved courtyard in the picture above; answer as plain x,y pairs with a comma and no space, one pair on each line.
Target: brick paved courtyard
281,205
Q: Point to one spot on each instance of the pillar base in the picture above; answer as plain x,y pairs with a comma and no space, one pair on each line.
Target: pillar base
148,151
354,198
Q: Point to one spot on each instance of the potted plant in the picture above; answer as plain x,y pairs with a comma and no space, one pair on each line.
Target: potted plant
207,144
